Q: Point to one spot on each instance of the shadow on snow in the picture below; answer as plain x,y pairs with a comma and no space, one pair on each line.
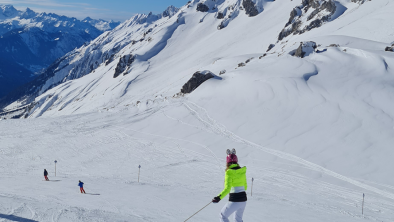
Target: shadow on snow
16,218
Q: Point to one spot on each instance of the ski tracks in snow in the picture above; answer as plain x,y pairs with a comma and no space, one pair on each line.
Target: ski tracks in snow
202,115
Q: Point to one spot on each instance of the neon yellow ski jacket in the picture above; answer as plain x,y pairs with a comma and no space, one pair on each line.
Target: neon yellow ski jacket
234,178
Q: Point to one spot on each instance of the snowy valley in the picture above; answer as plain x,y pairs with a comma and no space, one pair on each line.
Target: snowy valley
31,41
302,89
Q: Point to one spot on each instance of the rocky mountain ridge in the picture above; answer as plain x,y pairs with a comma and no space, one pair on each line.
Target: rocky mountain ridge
138,47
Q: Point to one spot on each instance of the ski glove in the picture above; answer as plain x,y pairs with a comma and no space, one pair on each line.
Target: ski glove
216,199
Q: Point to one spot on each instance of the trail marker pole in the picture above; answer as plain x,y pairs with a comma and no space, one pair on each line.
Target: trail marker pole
55,167
139,170
363,205
251,190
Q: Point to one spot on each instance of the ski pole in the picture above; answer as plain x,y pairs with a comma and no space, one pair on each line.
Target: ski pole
362,212
198,211
251,190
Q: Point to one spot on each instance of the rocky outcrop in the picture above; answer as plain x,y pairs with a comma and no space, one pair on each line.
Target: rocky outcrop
201,7
264,55
389,49
359,1
123,64
270,47
170,11
250,8
196,80
305,49
220,15
248,60
318,12
110,59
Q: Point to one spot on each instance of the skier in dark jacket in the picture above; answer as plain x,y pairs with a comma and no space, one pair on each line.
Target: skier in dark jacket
80,184
46,174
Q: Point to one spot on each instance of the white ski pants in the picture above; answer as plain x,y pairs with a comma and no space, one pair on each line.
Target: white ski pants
230,208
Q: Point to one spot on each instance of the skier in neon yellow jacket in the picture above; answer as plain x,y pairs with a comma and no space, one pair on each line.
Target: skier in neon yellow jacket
236,185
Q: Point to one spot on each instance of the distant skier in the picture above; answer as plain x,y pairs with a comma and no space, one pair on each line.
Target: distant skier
235,183
46,175
81,187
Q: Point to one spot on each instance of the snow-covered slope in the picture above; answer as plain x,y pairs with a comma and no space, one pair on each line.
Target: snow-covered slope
312,118
35,40
101,24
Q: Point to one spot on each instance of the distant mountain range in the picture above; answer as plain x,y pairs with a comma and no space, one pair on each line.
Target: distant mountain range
31,41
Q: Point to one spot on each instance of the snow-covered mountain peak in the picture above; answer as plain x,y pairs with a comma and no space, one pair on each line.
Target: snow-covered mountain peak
170,11
150,18
10,18
28,14
101,24
7,11
87,19
148,39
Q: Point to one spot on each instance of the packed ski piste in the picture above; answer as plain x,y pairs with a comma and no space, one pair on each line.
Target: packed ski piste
220,110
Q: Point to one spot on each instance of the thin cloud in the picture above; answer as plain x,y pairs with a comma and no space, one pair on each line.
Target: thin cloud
47,3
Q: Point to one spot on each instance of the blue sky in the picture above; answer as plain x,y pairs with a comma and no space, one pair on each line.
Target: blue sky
119,10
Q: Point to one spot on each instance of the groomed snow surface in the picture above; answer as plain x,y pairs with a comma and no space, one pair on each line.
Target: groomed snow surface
315,133
181,150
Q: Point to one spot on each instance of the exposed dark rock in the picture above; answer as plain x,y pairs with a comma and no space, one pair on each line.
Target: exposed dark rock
294,13
147,32
196,80
294,23
220,15
202,7
247,61
334,45
359,1
264,55
221,26
305,49
123,64
241,64
389,49
222,72
270,47
288,31
250,8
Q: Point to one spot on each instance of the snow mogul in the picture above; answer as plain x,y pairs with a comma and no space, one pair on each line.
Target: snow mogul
235,183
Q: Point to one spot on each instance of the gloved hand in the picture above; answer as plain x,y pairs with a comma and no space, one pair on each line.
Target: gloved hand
216,199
